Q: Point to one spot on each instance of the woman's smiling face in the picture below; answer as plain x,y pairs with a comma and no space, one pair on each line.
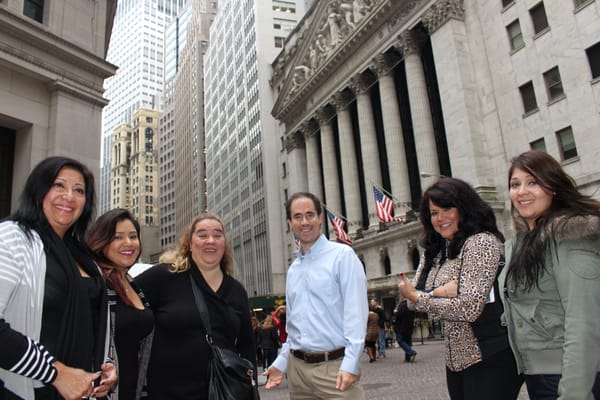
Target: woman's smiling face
444,220
528,196
124,249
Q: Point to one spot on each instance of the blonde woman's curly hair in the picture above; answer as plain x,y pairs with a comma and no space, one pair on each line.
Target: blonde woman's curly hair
180,257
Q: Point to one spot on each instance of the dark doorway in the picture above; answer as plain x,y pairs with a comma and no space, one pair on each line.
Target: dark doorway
7,157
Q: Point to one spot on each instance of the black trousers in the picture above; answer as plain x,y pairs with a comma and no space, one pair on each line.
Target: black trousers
495,378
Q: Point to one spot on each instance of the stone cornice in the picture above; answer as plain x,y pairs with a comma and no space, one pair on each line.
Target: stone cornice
83,94
441,12
33,34
324,49
299,85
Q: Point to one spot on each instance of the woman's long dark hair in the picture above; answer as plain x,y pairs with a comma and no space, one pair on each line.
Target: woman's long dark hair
475,216
30,212
101,234
527,261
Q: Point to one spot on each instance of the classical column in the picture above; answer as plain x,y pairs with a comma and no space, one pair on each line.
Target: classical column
333,197
392,126
368,141
348,158
296,163
420,111
310,130
460,92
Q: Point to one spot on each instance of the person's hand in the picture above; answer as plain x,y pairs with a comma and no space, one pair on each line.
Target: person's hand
345,380
274,377
73,383
108,379
449,289
407,288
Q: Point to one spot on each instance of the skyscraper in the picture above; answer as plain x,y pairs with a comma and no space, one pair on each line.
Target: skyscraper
241,141
137,49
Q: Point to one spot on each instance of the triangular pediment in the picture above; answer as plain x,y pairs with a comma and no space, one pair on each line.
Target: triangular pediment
318,42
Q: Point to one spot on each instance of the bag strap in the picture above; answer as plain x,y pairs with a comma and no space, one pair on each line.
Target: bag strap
202,308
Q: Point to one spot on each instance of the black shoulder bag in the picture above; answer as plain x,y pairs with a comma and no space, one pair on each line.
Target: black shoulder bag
230,376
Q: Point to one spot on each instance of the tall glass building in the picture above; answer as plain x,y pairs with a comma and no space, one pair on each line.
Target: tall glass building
242,144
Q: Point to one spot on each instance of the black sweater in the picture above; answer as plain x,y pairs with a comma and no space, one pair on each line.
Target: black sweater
179,357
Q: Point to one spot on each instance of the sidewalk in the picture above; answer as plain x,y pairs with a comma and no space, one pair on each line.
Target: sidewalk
393,379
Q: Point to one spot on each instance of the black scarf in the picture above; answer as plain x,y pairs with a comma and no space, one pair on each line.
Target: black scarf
62,258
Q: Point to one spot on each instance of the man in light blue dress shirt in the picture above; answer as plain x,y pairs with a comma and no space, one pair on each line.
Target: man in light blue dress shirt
327,308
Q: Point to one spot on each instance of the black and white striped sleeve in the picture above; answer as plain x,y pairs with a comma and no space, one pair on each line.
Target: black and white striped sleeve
25,356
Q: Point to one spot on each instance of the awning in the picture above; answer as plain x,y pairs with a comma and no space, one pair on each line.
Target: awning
267,302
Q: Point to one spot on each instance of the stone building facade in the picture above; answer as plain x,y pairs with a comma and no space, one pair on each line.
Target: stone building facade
52,70
395,93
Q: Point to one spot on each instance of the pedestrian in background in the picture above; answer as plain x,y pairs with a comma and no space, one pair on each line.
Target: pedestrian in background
269,341
372,335
279,320
456,282
404,324
551,287
326,307
382,321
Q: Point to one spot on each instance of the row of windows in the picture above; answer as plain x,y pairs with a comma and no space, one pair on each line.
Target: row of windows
565,141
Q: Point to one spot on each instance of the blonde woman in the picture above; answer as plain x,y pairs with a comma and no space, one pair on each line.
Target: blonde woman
179,357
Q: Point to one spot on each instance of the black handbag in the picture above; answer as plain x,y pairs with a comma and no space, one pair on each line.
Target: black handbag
230,376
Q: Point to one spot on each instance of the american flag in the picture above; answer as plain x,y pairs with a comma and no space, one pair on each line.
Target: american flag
338,228
384,206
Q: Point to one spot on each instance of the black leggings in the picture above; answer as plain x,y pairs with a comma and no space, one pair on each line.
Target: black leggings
495,378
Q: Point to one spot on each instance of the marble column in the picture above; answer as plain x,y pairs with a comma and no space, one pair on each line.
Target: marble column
460,91
392,126
333,197
296,164
419,109
350,165
361,87
310,130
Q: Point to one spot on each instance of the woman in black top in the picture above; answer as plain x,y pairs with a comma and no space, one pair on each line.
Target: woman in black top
179,357
115,241
53,305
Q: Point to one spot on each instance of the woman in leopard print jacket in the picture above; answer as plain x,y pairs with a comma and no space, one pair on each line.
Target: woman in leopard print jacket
456,283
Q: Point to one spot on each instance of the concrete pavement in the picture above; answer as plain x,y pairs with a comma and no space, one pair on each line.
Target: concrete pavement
393,379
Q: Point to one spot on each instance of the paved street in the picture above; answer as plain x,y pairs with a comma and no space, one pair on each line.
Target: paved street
393,379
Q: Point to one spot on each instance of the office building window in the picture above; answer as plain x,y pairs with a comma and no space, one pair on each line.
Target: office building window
506,3
528,97
539,144
279,41
554,86
538,17
515,36
34,9
593,55
566,143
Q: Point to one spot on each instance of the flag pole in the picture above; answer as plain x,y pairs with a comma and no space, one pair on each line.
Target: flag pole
385,191
340,216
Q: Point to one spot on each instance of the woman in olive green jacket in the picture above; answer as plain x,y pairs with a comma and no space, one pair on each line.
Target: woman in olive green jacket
551,288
